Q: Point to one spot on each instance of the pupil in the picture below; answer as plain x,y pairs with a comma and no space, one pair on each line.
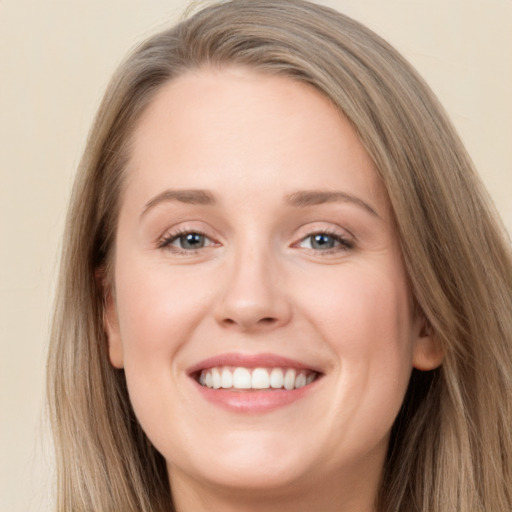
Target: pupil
322,242
191,241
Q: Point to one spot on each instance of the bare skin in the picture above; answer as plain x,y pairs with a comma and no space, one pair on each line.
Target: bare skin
254,228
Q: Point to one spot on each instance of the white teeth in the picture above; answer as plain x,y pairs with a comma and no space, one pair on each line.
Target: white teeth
216,380
227,378
289,379
242,378
258,378
300,381
276,378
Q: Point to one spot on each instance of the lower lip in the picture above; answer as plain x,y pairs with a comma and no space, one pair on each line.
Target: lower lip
253,401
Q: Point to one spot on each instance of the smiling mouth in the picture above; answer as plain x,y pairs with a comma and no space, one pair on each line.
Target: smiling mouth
246,379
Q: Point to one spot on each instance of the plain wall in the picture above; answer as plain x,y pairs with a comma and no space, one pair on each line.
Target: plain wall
55,60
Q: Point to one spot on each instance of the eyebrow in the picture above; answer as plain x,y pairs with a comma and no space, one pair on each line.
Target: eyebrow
194,197
300,199
306,198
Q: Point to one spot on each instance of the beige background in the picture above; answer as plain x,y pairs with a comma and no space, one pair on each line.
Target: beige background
55,60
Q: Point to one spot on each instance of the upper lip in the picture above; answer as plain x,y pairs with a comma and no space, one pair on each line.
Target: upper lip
265,360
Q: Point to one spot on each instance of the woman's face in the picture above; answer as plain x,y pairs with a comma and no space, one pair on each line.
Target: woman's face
256,251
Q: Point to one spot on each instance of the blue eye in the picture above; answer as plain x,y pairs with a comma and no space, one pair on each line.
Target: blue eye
322,241
325,242
187,241
190,241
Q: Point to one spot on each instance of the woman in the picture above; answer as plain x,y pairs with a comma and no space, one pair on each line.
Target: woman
283,285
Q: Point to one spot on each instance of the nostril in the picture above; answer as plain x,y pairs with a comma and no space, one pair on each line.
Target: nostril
268,320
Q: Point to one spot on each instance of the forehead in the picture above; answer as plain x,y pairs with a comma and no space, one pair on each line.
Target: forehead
212,124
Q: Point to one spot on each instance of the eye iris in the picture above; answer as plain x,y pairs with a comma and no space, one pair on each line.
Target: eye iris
322,241
191,241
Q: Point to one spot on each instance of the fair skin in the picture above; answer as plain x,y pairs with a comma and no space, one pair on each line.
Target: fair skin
254,230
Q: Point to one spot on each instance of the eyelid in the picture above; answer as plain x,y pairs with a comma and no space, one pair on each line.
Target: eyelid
177,237
336,238
346,241
165,241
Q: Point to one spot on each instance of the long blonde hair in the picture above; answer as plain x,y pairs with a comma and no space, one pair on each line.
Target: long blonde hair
451,445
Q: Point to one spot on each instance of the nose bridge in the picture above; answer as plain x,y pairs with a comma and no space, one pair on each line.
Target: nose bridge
253,297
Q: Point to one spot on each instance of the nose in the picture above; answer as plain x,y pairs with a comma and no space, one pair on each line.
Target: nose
254,297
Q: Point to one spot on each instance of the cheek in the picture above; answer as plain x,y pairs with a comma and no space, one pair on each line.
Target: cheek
365,317
158,311
363,310
157,308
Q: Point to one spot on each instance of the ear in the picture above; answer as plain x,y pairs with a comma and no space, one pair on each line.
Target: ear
428,353
110,321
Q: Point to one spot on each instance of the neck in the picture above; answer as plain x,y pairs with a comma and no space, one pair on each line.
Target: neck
340,493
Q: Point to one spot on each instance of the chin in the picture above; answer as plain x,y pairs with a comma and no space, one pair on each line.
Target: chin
256,465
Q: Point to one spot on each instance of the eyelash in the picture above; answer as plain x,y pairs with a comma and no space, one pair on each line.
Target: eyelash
167,241
343,243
